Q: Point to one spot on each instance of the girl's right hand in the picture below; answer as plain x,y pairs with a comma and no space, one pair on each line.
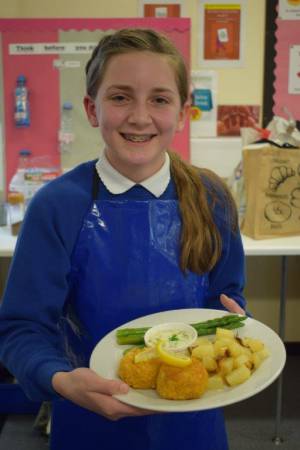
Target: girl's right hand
88,390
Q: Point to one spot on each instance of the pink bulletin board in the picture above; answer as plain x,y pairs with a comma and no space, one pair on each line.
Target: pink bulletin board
43,80
40,137
287,35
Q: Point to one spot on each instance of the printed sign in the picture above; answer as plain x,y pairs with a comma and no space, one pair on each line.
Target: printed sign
289,9
222,33
294,70
203,103
49,48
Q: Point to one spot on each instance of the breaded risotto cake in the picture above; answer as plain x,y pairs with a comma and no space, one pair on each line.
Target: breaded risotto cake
182,383
139,375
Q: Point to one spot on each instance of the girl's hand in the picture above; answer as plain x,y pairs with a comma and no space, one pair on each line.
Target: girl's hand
88,390
231,305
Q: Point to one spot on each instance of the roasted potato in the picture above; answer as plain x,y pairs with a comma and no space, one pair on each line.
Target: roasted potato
229,360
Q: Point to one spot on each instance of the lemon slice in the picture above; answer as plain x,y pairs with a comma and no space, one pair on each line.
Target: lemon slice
145,355
172,358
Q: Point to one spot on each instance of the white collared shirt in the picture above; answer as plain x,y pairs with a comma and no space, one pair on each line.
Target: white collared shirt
116,183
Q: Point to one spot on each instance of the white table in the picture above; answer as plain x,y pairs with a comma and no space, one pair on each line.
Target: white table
7,242
268,247
282,247
272,247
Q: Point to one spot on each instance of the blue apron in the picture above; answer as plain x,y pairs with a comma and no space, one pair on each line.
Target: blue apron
126,265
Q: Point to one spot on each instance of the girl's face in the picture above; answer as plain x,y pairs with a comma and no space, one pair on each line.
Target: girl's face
138,111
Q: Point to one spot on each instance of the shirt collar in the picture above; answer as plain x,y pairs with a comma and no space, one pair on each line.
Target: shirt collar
116,183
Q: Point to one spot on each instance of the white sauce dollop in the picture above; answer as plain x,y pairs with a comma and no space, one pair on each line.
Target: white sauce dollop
176,336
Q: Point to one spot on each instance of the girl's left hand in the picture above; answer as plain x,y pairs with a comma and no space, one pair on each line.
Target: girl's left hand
231,305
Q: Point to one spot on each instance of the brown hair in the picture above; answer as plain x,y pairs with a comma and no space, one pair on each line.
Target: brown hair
134,40
198,190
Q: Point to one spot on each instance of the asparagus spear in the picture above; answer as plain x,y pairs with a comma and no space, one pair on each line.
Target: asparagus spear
135,336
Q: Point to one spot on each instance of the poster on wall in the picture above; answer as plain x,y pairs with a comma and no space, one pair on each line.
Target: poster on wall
289,9
231,118
221,33
286,84
160,9
294,70
203,111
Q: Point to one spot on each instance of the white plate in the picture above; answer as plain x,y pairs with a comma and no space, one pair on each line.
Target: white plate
107,354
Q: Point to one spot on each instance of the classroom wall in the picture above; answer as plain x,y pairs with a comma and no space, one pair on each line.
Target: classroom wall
235,86
238,85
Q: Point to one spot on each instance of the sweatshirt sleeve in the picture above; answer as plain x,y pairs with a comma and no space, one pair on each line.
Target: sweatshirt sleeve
228,275
31,346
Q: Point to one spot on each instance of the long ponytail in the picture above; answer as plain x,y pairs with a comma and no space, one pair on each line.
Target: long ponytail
200,242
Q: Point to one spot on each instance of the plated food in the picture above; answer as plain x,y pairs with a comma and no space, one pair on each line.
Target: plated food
187,371
132,335
176,335
182,383
107,354
229,359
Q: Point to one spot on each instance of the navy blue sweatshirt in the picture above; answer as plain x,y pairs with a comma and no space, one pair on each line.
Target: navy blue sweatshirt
31,346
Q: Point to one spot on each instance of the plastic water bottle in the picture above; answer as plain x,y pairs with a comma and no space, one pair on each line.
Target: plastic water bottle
66,133
22,113
24,157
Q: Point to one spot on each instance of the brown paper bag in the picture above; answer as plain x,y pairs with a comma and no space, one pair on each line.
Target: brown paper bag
272,184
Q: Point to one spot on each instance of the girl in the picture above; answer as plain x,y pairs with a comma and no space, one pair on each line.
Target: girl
136,232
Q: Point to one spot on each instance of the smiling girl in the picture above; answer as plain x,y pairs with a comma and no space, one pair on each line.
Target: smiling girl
136,232
138,111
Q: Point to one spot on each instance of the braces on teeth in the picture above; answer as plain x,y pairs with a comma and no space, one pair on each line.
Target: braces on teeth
137,138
